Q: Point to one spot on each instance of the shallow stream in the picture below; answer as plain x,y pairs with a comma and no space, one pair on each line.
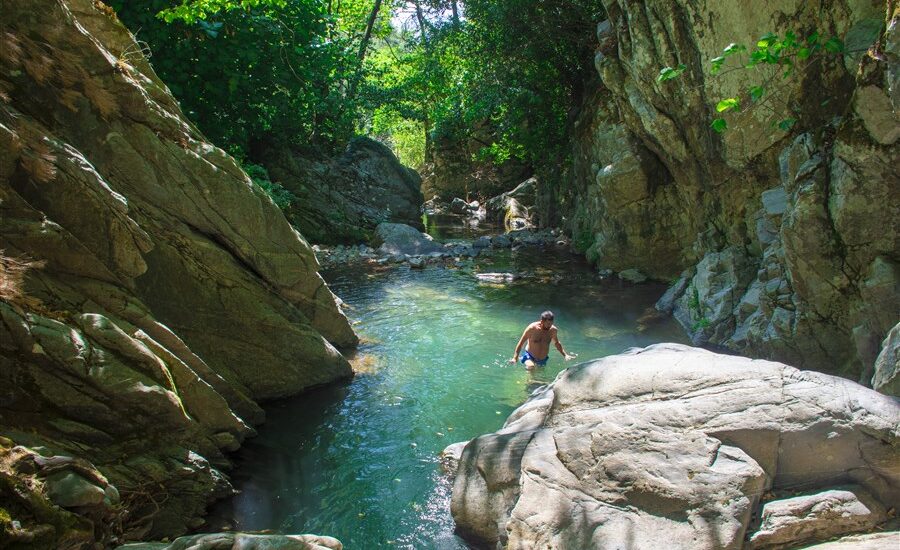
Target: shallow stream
359,461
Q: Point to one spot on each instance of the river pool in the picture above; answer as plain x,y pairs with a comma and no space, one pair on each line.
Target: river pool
359,460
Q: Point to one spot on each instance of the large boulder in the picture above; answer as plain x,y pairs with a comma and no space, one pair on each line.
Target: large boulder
673,446
340,199
150,293
397,239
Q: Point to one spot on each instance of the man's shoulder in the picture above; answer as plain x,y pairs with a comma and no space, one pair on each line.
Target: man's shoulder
533,326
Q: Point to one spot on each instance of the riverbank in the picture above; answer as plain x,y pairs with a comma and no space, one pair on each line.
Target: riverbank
431,369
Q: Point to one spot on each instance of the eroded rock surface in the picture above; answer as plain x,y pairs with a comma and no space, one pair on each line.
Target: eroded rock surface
783,245
151,294
675,447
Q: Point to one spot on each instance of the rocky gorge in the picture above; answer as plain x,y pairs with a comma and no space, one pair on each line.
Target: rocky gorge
779,244
120,228
153,296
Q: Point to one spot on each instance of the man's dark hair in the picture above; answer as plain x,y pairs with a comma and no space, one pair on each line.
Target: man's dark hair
547,316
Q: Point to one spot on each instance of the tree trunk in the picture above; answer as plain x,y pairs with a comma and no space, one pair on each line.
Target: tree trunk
421,18
455,13
369,25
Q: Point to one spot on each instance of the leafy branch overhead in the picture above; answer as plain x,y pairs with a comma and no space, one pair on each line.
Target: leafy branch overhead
785,54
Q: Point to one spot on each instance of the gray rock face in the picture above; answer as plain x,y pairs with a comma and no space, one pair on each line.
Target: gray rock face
672,446
166,293
398,239
887,366
341,199
817,516
809,223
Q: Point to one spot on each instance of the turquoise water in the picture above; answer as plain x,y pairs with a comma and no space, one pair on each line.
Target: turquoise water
359,461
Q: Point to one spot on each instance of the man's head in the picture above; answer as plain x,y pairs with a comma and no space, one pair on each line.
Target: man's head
546,320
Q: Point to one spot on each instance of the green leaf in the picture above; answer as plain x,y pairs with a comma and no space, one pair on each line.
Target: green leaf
756,58
756,92
787,124
834,45
728,104
767,40
719,125
803,53
790,39
668,73
732,49
717,63
813,39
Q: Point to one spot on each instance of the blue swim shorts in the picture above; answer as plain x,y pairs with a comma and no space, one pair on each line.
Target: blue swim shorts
539,362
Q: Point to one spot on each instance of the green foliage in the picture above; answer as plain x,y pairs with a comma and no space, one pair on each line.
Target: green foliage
668,73
728,104
582,240
252,73
279,195
701,323
782,54
405,136
719,125
514,67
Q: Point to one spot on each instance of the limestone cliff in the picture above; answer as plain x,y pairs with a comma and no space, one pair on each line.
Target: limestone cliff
781,244
150,294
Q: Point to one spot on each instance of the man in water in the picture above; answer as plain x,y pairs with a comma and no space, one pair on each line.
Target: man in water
538,336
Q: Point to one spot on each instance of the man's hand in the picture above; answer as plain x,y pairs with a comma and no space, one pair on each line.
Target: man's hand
570,356
512,361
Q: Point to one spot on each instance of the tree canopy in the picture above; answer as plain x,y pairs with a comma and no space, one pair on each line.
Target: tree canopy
310,73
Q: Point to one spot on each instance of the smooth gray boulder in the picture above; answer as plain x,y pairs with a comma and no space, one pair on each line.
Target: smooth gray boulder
398,239
670,447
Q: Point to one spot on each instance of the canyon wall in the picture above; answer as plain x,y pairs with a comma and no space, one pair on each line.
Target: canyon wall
779,243
150,294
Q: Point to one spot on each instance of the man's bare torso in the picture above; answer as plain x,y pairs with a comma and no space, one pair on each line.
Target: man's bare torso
539,340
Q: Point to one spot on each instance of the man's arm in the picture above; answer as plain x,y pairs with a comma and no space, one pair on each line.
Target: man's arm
521,343
559,346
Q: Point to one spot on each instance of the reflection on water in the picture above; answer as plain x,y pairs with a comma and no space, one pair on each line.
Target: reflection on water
359,461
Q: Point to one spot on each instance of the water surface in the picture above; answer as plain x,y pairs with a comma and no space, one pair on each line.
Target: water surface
359,461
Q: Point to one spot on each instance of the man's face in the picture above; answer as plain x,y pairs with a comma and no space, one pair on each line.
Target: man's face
546,324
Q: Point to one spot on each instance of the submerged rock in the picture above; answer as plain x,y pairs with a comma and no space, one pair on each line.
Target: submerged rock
673,446
497,278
